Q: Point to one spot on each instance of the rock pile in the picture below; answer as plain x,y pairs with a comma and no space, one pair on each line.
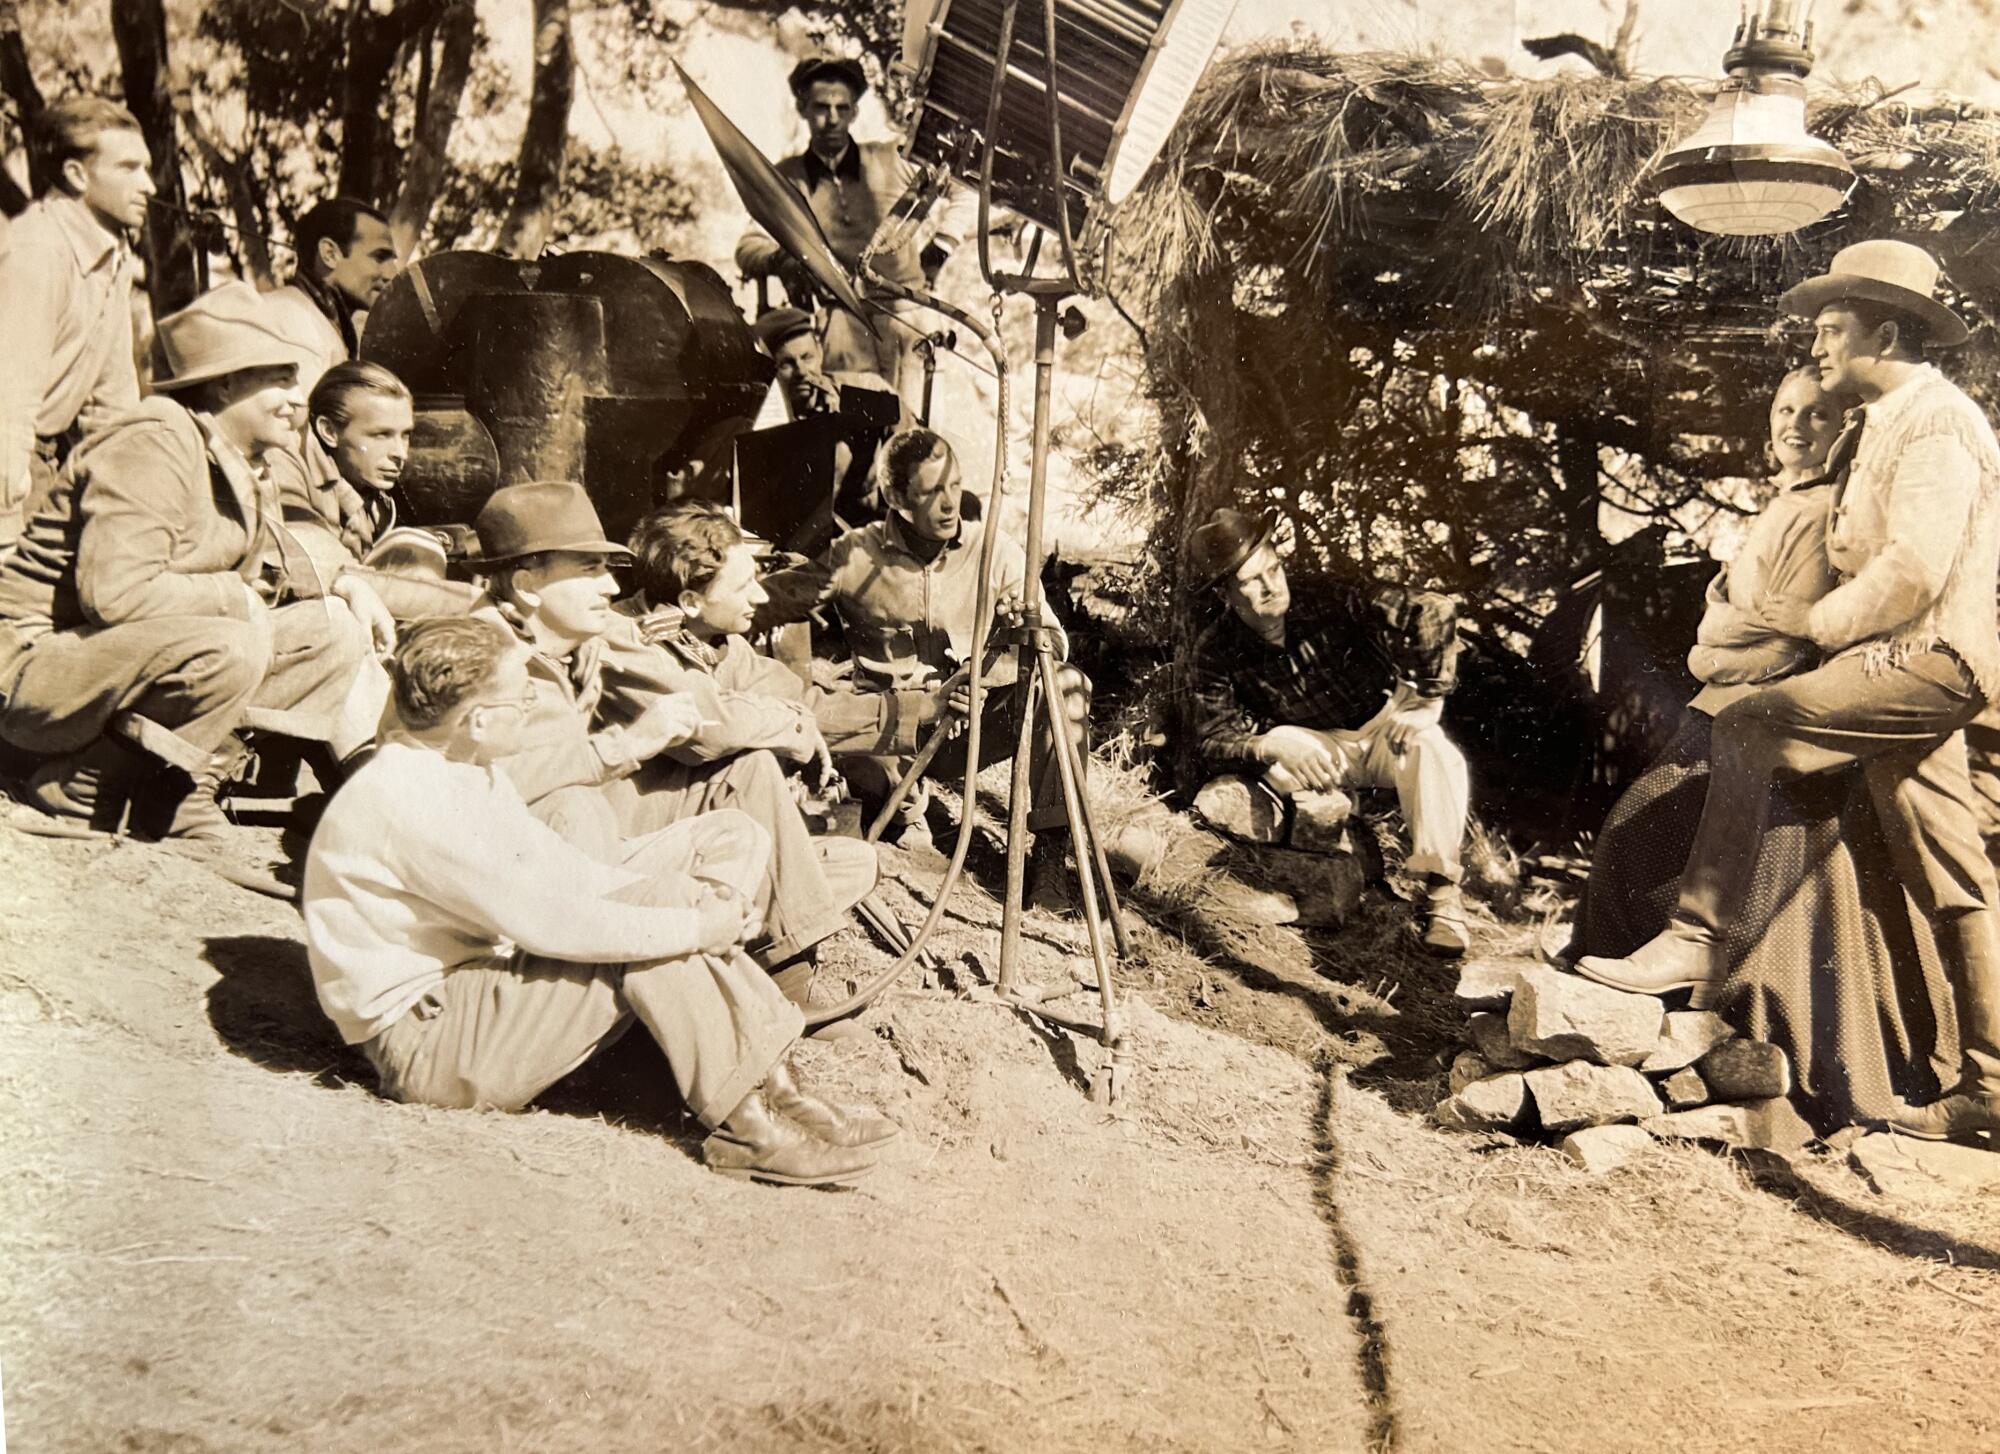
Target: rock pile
1555,1057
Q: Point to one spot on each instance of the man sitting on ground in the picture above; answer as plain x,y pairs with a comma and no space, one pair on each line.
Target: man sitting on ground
153,584
1346,693
907,590
698,592
477,958
611,747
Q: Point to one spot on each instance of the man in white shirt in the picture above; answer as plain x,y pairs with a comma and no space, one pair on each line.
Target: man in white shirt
478,958
1913,655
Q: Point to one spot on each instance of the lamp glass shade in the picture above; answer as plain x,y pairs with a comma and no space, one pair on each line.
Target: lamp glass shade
1192,31
1752,168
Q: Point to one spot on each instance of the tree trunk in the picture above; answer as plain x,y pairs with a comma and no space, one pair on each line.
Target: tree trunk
430,142
234,174
17,82
173,275
538,178
368,160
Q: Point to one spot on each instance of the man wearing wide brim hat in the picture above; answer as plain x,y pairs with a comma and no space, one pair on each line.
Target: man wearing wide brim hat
851,186
152,591
622,739
1912,654
1292,705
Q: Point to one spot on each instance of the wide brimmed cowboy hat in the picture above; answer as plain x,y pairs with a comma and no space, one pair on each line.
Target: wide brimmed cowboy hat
1224,541
828,68
224,331
1897,275
537,517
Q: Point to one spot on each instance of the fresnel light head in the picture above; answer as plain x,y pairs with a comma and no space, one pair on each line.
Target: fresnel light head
1751,168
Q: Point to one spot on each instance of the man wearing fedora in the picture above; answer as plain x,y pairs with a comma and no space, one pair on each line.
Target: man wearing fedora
851,187
65,298
1912,655
624,740
1346,692
152,584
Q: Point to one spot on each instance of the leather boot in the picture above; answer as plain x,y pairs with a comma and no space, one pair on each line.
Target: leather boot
755,1144
93,785
1972,959
198,817
1049,881
1679,957
1445,935
835,1125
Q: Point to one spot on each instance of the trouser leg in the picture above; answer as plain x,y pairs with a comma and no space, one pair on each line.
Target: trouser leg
1001,734
319,653
1433,788
1816,722
1931,824
193,675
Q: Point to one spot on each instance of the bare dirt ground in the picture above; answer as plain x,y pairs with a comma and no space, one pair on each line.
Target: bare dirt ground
216,1237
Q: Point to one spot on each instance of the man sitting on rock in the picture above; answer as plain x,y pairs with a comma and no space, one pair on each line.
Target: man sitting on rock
155,585
1348,692
477,958
907,588
623,740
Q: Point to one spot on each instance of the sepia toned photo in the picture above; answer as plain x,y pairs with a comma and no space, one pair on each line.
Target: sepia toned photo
906,726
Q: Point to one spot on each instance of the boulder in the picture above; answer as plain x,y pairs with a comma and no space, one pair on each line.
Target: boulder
1745,1070
1319,821
1488,1034
1689,1035
1487,984
1466,1067
1497,1103
1576,1094
1565,1017
1240,808
1903,1166
1598,1149
1685,1088
1771,1125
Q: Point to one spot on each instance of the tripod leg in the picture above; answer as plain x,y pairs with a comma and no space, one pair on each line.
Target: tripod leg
1017,819
1071,756
1079,828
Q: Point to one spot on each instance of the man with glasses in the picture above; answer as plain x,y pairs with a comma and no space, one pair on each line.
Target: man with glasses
1346,692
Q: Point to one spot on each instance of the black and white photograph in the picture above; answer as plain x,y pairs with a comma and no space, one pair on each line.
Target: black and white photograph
999,726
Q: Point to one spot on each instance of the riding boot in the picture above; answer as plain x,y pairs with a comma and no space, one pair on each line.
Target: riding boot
1970,947
836,1125
93,785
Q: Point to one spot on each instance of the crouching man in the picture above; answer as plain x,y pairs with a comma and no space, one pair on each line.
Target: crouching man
1349,693
477,958
154,581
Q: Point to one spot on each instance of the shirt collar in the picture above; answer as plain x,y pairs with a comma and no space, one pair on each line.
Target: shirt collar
1886,408
89,239
848,168
324,299
899,538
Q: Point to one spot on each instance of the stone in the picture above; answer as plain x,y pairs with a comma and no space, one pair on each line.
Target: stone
1685,1088
1565,1017
1689,1035
1247,901
1466,1067
1598,1149
1488,984
1497,1103
1326,888
1242,809
1905,1166
1772,1125
1319,821
1488,1034
1745,1070
1576,1094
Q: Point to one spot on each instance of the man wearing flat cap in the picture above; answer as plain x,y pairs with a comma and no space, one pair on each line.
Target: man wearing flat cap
1345,692
851,187
152,586
622,740
1912,655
